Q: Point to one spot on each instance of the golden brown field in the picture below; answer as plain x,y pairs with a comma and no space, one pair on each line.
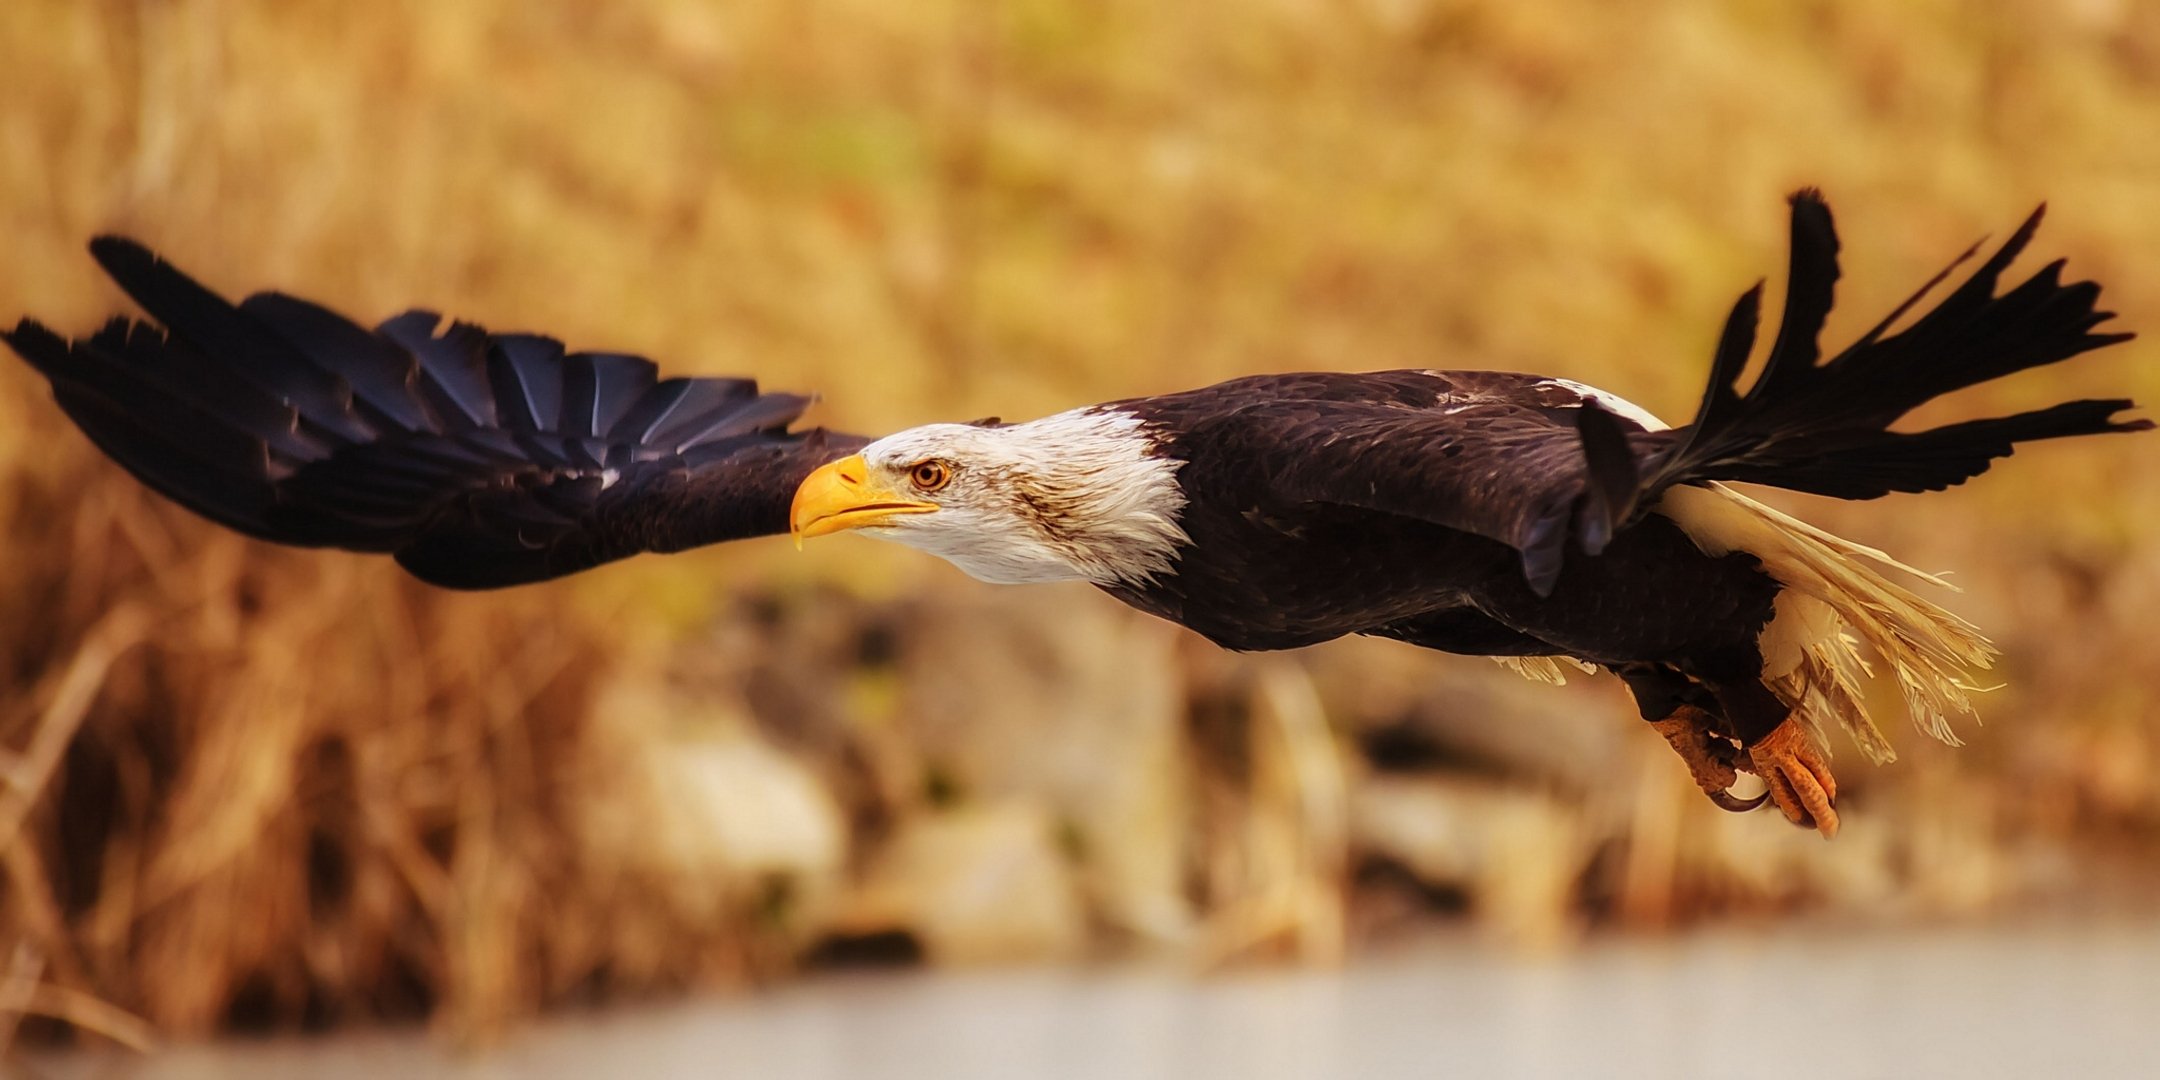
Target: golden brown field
245,786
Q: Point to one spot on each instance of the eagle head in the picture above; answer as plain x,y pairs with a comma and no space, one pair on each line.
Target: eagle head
1079,496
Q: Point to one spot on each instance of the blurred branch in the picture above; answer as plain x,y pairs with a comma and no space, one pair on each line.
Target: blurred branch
87,1013
55,728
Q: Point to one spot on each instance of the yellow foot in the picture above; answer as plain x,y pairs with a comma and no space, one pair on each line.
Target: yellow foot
1798,774
1709,757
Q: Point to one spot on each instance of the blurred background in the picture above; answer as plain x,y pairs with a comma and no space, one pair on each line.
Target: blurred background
250,789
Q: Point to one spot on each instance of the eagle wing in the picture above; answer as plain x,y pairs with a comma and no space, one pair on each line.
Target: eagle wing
1533,462
1823,426
1525,460
480,460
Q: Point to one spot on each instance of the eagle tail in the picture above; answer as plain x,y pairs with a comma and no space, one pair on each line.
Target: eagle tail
1823,427
1838,598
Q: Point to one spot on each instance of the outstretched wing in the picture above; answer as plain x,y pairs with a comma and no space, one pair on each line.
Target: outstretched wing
480,460
1823,426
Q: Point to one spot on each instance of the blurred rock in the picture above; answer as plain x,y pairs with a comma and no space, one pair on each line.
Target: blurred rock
709,813
1518,855
984,884
1079,712
1272,841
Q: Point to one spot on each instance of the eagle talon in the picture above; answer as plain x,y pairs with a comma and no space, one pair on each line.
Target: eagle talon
1727,801
1709,757
1797,773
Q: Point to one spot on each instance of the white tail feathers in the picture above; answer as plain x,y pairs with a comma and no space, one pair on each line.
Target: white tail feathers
1835,599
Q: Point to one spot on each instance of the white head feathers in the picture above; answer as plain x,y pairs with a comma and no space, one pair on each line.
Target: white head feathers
1078,496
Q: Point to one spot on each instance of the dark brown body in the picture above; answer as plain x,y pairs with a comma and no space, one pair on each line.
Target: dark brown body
1271,566
1268,572
1319,573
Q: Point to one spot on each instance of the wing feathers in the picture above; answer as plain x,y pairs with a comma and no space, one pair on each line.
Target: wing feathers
377,371
1810,289
1823,428
1611,474
525,372
453,366
218,329
599,388
693,408
481,460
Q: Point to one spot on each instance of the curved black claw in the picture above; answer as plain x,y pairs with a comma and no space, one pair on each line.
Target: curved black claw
1725,801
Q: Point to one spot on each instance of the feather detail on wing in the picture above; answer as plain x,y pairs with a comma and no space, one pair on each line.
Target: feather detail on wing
1822,426
1526,460
478,459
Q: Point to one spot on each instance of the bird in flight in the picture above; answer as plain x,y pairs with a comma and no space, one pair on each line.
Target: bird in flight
1531,519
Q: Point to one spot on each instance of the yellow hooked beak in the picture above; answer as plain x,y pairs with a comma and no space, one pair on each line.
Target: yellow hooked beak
841,495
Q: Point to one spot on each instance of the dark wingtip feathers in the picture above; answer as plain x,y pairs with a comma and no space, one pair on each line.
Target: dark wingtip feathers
481,460
1823,426
2008,253
37,345
2032,220
2119,405
106,246
124,258
1809,208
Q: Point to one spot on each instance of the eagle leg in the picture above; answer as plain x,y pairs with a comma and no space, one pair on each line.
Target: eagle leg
1798,774
1711,758
1685,712
1781,748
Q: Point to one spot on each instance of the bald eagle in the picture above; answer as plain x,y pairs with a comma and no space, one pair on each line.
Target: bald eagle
1516,516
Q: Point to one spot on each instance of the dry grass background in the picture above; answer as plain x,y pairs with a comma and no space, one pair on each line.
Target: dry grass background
249,786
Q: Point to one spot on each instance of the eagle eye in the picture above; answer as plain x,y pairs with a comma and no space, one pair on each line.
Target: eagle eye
929,476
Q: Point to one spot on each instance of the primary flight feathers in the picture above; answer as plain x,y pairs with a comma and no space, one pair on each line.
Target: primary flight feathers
1820,427
479,459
